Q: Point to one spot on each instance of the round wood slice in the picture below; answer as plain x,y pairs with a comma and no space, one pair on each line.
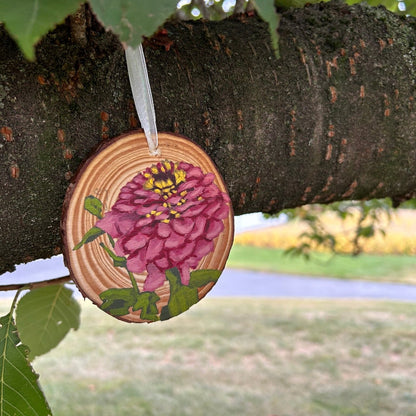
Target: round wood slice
96,265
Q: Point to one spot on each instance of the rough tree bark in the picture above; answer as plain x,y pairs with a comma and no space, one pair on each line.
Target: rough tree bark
334,118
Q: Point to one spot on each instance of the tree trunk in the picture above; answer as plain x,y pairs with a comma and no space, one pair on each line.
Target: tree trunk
334,118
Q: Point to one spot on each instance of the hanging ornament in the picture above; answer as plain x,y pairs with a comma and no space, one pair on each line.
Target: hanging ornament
148,223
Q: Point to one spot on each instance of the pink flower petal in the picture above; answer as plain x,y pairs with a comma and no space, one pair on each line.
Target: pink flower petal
208,179
226,198
213,229
109,224
143,221
124,207
193,262
163,230
193,172
211,208
199,228
182,225
154,249
130,244
194,194
211,191
146,209
193,211
163,263
185,275
144,194
185,186
174,240
139,179
222,212
136,262
179,254
174,199
203,247
126,223
154,279
136,242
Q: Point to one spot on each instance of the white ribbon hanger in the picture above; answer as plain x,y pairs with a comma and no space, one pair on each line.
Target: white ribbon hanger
142,95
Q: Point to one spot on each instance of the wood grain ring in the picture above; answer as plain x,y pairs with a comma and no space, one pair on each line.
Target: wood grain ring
103,175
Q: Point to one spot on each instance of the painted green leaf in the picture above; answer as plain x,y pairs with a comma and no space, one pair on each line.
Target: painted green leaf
267,11
117,260
28,20
132,19
202,277
44,316
181,297
146,301
117,302
20,393
94,206
89,236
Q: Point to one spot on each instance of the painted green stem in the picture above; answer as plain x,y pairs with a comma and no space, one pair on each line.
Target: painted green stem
133,281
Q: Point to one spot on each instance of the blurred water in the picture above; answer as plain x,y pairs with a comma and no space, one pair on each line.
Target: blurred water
243,282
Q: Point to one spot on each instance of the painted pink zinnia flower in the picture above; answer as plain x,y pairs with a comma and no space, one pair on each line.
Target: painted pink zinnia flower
167,216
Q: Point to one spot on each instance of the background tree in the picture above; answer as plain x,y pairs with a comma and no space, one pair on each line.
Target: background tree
322,112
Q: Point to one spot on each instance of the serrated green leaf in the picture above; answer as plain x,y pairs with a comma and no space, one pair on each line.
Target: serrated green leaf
89,236
267,11
203,277
181,297
94,206
44,316
20,393
132,19
28,20
117,260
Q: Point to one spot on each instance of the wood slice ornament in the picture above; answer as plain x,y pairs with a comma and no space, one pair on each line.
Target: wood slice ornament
146,237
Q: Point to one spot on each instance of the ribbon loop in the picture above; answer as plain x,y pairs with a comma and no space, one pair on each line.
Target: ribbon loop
142,95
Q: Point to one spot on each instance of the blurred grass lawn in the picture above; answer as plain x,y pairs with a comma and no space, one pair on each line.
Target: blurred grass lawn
240,357
387,268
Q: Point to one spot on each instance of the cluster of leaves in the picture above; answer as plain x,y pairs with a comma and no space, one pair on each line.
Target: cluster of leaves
27,21
43,317
366,214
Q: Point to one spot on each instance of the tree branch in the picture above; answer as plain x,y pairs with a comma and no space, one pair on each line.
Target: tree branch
35,285
333,119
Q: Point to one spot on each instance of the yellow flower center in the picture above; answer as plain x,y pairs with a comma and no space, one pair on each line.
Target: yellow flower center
164,179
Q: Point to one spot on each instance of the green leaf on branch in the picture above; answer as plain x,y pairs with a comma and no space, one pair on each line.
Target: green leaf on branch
181,298
44,316
267,11
28,20
89,236
366,232
118,261
203,277
132,19
20,393
94,206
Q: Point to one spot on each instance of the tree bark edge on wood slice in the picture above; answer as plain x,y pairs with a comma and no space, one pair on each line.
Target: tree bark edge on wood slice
145,237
